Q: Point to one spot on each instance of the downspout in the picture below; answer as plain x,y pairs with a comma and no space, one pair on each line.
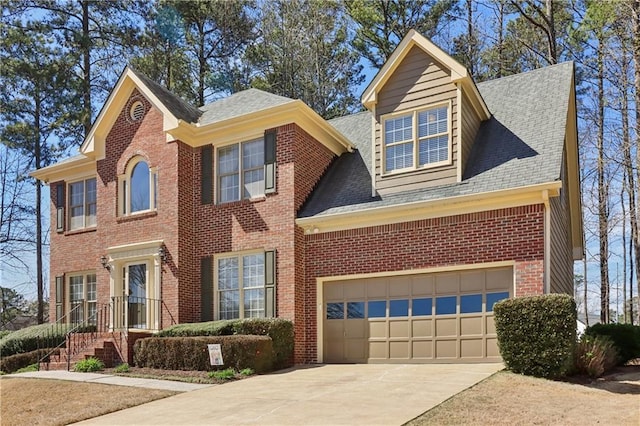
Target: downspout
547,242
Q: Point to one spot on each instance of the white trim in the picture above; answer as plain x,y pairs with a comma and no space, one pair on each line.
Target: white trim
125,187
320,281
459,141
415,139
374,124
417,210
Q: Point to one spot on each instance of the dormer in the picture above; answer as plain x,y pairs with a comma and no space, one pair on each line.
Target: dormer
426,111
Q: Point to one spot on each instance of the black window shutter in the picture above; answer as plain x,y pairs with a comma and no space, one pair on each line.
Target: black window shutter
270,284
270,161
59,297
60,202
206,174
206,289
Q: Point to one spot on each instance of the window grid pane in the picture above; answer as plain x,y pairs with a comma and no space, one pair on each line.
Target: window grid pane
399,156
229,188
434,150
254,303
253,271
398,129
140,185
76,205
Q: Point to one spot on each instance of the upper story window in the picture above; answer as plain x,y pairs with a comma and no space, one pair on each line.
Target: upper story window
417,139
82,204
240,169
138,188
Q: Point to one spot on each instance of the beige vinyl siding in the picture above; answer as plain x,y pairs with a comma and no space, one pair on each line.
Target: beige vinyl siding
417,82
561,272
469,124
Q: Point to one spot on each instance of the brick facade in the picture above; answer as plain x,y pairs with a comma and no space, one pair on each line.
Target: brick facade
515,234
191,230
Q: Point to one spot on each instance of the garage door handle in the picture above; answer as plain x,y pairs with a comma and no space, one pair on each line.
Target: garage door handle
344,333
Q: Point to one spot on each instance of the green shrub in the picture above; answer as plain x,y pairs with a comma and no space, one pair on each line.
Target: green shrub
88,365
226,374
247,372
30,338
191,353
12,363
280,331
537,335
625,338
595,355
4,333
121,368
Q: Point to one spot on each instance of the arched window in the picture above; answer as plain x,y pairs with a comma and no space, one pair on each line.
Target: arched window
138,188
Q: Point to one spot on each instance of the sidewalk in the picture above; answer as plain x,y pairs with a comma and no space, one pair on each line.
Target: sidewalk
113,380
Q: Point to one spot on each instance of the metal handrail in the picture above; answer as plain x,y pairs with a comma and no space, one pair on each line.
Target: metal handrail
131,312
52,333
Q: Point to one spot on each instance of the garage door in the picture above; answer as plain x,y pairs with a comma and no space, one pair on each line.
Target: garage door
427,318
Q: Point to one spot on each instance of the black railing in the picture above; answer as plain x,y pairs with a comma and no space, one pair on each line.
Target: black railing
56,336
130,312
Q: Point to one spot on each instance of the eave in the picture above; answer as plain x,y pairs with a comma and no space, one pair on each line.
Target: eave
418,210
242,127
66,170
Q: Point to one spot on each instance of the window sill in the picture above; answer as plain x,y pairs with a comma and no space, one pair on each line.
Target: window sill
137,216
424,168
253,200
80,231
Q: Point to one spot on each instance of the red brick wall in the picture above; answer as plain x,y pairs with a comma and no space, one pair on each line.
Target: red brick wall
81,250
265,223
507,234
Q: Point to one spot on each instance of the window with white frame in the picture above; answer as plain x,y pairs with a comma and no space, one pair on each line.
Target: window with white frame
138,188
241,286
82,204
240,169
417,139
82,298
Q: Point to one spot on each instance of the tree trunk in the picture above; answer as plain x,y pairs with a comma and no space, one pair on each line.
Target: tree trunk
635,233
603,208
551,34
37,151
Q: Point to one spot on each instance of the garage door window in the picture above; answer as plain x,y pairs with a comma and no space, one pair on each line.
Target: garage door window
399,308
446,305
470,303
355,310
335,310
421,307
377,309
493,298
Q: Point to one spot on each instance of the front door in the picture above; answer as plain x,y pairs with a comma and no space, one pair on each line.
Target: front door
135,285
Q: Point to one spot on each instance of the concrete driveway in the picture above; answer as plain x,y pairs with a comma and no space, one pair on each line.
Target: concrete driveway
366,394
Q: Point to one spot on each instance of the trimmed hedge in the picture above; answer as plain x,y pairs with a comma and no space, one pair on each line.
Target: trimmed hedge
625,339
280,331
12,363
191,353
537,335
26,339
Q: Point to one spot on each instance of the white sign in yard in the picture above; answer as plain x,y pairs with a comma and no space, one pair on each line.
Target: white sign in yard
215,354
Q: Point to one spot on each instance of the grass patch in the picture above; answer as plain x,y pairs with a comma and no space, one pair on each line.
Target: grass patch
28,401
121,368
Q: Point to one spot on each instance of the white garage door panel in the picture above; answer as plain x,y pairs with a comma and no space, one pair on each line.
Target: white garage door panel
440,317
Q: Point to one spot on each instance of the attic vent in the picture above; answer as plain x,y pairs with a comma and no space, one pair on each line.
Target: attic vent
137,111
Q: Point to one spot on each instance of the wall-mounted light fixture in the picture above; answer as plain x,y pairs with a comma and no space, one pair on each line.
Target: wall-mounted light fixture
104,260
162,254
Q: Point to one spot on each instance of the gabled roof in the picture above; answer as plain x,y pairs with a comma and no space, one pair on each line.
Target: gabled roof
175,104
459,74
519,147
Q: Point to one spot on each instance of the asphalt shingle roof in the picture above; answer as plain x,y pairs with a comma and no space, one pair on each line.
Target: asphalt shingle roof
176,105
520,145
241,103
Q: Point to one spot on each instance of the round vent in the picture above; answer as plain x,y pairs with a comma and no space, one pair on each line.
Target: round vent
137,111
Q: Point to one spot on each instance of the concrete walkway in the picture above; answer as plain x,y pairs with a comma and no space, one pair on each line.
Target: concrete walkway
364,394
113,380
